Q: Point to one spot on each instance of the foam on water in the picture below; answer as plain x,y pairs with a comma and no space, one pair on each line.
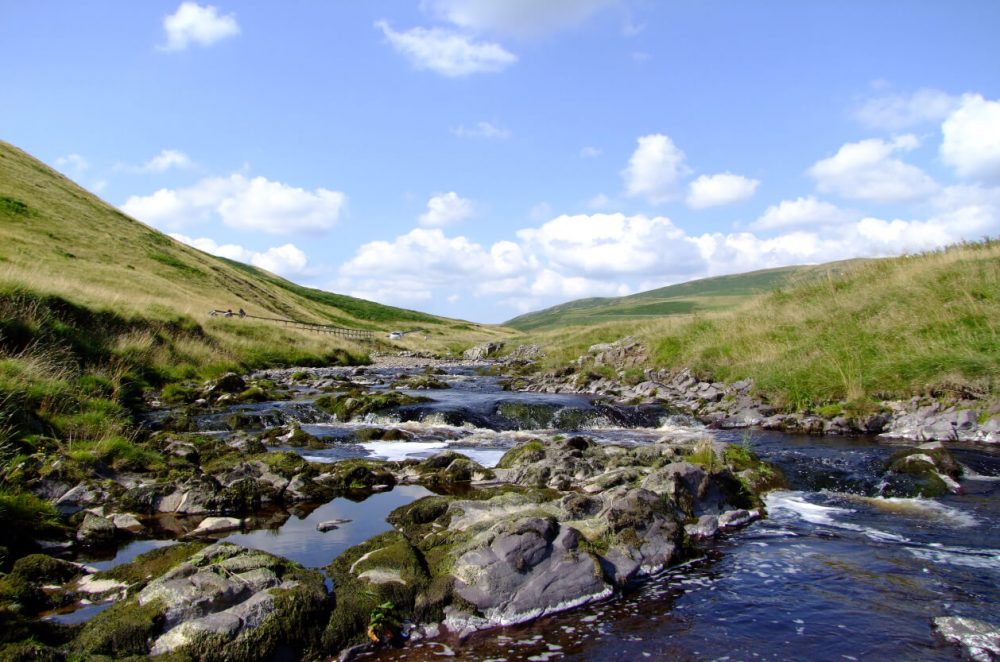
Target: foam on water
786,503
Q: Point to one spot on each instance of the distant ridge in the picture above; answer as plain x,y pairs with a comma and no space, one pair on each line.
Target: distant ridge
703,295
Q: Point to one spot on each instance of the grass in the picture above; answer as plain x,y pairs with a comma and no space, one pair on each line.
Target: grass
58,239
882,329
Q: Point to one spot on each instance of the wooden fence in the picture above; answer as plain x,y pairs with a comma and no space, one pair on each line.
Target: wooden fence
343,332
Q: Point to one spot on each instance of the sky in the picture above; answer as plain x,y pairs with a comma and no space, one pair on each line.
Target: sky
484,158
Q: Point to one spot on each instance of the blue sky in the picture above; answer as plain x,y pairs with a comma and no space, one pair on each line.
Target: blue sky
479,159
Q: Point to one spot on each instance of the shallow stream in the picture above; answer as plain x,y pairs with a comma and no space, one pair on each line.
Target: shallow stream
833,572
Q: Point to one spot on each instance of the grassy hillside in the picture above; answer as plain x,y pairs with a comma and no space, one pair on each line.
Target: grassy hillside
58,239
882,329
699,296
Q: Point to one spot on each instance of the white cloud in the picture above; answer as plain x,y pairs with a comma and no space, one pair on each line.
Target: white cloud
865,170
194,24
802,212
516,17
242,203
287,260
447,209
602,244
971,142
73,163
601,254
898,112
590,152
722,189
165,160
655,169
447,52
485,130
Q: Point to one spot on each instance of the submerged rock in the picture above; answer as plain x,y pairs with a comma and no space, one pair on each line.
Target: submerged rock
980,641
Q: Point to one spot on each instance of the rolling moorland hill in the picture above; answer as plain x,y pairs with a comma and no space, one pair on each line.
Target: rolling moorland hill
693,297
874,330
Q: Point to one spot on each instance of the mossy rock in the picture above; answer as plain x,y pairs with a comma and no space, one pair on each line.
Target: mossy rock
122,630
380,434
355,404
918,461
359,474
292,632
524,453
150,565
384,569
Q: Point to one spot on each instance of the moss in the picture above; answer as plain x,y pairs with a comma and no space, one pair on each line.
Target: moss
44,569
943,462
379,434
355,404
286,463
121,630
525,453
291,632
152,564
184,393
359,474
357,599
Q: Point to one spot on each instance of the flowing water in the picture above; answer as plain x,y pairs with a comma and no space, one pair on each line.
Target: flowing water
834,572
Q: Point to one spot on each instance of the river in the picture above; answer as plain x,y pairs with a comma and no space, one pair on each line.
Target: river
835,571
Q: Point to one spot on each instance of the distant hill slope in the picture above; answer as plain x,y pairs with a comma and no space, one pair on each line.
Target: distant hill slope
57,237
704,295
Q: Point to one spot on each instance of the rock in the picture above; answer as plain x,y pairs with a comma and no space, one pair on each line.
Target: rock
979,640
707,526
182,450
528,568
79,498
99,587
734,519
96,531
482,351
228,383
212,525
330,525
127,522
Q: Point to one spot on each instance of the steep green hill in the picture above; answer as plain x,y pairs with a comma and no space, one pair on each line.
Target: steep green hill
698,296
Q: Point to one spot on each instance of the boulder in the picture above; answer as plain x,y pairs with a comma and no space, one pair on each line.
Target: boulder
482,351
228,383
527,568
96,531
213,525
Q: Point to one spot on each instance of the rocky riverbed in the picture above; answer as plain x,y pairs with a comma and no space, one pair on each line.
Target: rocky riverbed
515,507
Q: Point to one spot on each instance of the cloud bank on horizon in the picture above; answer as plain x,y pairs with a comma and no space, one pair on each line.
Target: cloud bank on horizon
509,156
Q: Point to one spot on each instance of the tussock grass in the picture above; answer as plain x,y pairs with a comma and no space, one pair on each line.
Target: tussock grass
882,329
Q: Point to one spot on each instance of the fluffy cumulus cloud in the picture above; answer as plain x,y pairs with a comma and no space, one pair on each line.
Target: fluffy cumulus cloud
195,24
904,111
724,189
867,170
483,130
243,203
516,17
447,52
971,143
286,260
447,209
610,244
655,169
165,160
807,211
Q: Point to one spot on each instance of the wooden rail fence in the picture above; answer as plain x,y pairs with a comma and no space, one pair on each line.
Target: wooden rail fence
343,332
